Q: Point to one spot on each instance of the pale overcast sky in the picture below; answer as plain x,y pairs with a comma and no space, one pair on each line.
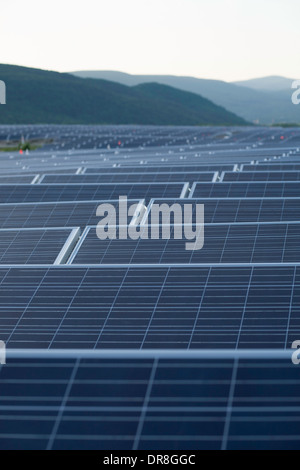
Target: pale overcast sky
221,39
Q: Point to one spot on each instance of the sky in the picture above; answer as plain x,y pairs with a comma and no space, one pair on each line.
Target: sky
218,39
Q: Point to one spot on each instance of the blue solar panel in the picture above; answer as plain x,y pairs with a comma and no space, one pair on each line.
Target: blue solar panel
262,176
32,246
59,214
225,244
17,179
155,403
286,166
129,177
231,210
150,168
150,307
85,192
246,189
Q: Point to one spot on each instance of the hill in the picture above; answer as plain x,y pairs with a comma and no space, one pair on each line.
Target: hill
273,83
254,105
40,96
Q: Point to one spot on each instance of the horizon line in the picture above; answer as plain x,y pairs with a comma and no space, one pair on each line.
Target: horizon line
150,74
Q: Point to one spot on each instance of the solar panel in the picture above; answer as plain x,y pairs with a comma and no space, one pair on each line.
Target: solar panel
32,246
150,168
18,179
245,190
59,214
156,403
182,307
231,210
23,172
286,166
129,177
85,192
224,243
262,176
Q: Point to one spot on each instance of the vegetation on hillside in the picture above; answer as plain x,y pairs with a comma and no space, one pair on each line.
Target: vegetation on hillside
38,96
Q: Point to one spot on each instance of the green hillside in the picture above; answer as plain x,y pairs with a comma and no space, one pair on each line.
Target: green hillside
38,96
266,101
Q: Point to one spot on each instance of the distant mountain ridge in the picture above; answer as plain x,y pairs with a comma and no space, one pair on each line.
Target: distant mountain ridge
40,96
272,83
249,99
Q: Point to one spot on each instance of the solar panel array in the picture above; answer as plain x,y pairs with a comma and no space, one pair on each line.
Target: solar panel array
123,344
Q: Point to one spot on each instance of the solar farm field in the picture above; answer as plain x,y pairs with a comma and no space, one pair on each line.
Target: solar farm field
140,344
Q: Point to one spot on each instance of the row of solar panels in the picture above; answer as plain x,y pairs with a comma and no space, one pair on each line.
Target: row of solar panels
150,307
275,172
218,249
88,137
83,213
186,167
236,243
43,161
23,193
166,177
225,244
125,402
